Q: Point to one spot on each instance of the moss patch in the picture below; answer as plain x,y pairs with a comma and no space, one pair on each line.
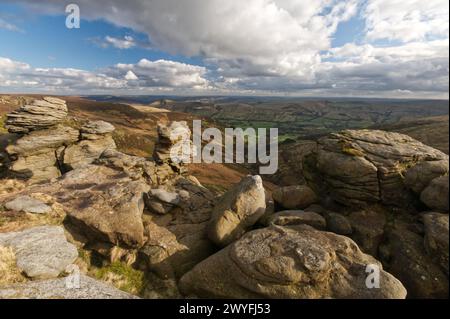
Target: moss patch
121,276
8,268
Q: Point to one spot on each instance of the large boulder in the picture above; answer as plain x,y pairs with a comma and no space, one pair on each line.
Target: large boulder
237,210
294,197
104,206
435,195
41,252
37,115
281,262
357,167
437,237
419,176
81,287
403,254
368,229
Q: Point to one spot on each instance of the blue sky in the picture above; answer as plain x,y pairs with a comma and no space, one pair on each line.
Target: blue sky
332,48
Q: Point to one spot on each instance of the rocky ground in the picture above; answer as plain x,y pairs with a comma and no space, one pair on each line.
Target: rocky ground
80,218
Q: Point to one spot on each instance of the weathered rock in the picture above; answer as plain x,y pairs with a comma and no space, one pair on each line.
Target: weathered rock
357,167
298,217
237,210
294,197
315,208
368,229
178,240
161,201
133,166
171,140
28,204
34,156
35,168
171,251
270,210
94,130
338,224
280,262
419,176
435,195
405,257
40,114
437,238
103,205
86,152
43,141
41,252
63,288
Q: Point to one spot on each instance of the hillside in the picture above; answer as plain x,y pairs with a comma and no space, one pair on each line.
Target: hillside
135,132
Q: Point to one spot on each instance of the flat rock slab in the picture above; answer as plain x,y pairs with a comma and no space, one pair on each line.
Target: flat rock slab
41,252
28,204
89,288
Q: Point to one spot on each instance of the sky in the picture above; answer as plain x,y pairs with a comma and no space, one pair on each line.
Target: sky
348,48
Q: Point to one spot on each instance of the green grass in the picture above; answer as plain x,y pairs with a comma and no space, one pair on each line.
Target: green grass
122,276
3,130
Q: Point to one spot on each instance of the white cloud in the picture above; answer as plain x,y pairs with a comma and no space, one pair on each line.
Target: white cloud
144,75
409,20
278,46
126,43
8,26
130,76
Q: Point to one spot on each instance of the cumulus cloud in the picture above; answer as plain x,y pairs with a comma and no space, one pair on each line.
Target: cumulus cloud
144,76
262,36
279,46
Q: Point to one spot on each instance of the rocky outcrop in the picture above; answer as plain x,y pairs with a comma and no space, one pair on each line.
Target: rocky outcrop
39,114
294,197
419,176
280,262
172,139
46,148
96,137
41,252
368,229
437,238
34,156
237,210
435,195
103,205
357,167
85,288
339,224
403,254
178,240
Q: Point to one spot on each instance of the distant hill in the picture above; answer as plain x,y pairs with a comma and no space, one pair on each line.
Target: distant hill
433,131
